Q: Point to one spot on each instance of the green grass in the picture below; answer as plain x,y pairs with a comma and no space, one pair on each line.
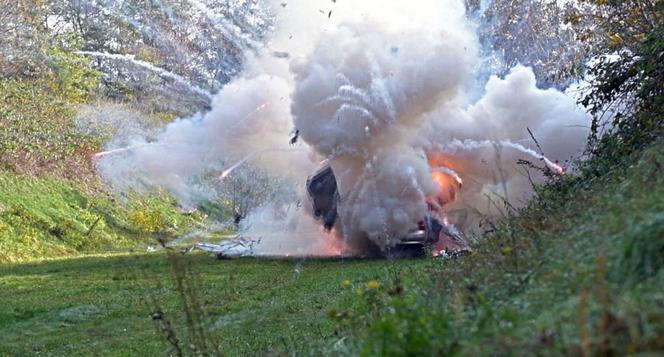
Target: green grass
48,218
103,304
52,203
577,272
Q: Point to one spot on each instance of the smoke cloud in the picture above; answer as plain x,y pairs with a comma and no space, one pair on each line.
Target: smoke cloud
381,89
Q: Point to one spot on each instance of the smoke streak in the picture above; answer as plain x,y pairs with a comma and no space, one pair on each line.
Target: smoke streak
149,66
470,145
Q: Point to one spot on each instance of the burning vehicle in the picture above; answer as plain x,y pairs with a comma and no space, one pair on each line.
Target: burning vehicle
432,232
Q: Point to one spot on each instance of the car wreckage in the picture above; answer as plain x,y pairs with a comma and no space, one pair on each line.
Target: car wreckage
430,233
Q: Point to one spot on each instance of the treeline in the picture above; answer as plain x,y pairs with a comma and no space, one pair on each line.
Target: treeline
203,42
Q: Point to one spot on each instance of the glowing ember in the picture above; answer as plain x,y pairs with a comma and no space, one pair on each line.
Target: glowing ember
125,149
224,174
230,170
444,174
109,152
452,173
249,116
557,168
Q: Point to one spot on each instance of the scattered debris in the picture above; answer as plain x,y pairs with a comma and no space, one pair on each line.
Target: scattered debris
187,250
280,54
230,248
293,140
81,313
453,253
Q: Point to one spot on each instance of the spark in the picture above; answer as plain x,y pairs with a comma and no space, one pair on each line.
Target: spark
473,144
251,114
124,149
229,170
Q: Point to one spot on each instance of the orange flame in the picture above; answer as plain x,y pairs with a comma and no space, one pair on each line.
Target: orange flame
445,175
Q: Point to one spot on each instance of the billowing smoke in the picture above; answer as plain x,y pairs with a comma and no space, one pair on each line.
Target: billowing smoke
381,89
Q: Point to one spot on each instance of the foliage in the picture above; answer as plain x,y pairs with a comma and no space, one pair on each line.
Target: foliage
48,218
158,216
37,133
558,38
75,79
248,188
628,88
21,52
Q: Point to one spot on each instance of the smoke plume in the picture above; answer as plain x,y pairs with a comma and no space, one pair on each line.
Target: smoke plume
382,90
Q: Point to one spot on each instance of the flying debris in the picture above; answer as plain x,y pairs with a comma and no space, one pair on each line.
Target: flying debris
293,139
280,54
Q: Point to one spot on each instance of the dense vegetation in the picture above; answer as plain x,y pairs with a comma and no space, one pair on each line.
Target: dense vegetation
52,203
577,271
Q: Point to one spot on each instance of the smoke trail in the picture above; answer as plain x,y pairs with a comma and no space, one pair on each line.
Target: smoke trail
147,65
380,89
470,145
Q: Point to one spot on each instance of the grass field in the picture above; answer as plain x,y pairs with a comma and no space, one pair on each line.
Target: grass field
583,275
103,304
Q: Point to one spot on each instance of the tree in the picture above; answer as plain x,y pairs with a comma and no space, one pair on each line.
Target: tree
22,38
249,187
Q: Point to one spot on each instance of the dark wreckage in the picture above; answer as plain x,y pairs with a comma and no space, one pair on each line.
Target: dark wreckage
431,233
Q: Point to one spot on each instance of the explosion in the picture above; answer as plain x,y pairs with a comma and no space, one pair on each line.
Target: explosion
382,90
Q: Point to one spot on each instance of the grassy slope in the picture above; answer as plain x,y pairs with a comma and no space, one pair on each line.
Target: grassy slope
49,217
51,201
579,273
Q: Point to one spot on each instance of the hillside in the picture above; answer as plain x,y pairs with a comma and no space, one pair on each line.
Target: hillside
52,202
131,130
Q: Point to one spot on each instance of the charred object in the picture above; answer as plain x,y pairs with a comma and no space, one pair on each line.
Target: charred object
323,192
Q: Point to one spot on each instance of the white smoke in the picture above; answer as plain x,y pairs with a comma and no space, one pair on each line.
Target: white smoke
486,139
378,88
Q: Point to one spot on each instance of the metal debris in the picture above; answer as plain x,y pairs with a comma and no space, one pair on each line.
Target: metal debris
293,140
230,248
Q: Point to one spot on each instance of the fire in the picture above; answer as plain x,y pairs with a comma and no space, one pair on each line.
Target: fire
447,186
445,175
558,169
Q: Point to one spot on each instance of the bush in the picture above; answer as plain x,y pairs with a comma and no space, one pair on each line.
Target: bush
643,250
74,79
632,86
